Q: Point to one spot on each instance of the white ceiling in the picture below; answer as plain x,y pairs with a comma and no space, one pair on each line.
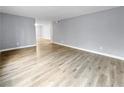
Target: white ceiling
52,12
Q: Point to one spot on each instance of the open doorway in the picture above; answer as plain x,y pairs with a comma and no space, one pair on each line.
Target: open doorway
43,35
38,31
43,30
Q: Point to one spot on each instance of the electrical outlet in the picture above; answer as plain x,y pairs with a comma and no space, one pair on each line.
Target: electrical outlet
62,41
101,48
17,44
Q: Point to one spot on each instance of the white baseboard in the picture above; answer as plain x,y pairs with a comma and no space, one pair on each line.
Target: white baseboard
21,47
91,51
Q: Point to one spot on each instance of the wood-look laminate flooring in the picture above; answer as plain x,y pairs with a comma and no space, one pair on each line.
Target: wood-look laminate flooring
58,66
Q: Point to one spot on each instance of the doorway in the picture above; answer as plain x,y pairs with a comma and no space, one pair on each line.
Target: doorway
44,31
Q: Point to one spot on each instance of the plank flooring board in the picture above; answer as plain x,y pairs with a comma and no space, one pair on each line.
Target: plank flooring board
52,65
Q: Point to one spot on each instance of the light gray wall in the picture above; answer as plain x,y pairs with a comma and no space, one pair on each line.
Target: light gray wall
17,31
94,31
0,31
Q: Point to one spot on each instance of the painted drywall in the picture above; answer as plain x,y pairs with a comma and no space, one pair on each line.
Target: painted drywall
0,31
101,32
43,29
17,31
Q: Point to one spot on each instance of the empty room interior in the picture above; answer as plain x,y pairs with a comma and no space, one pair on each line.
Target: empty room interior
61,46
